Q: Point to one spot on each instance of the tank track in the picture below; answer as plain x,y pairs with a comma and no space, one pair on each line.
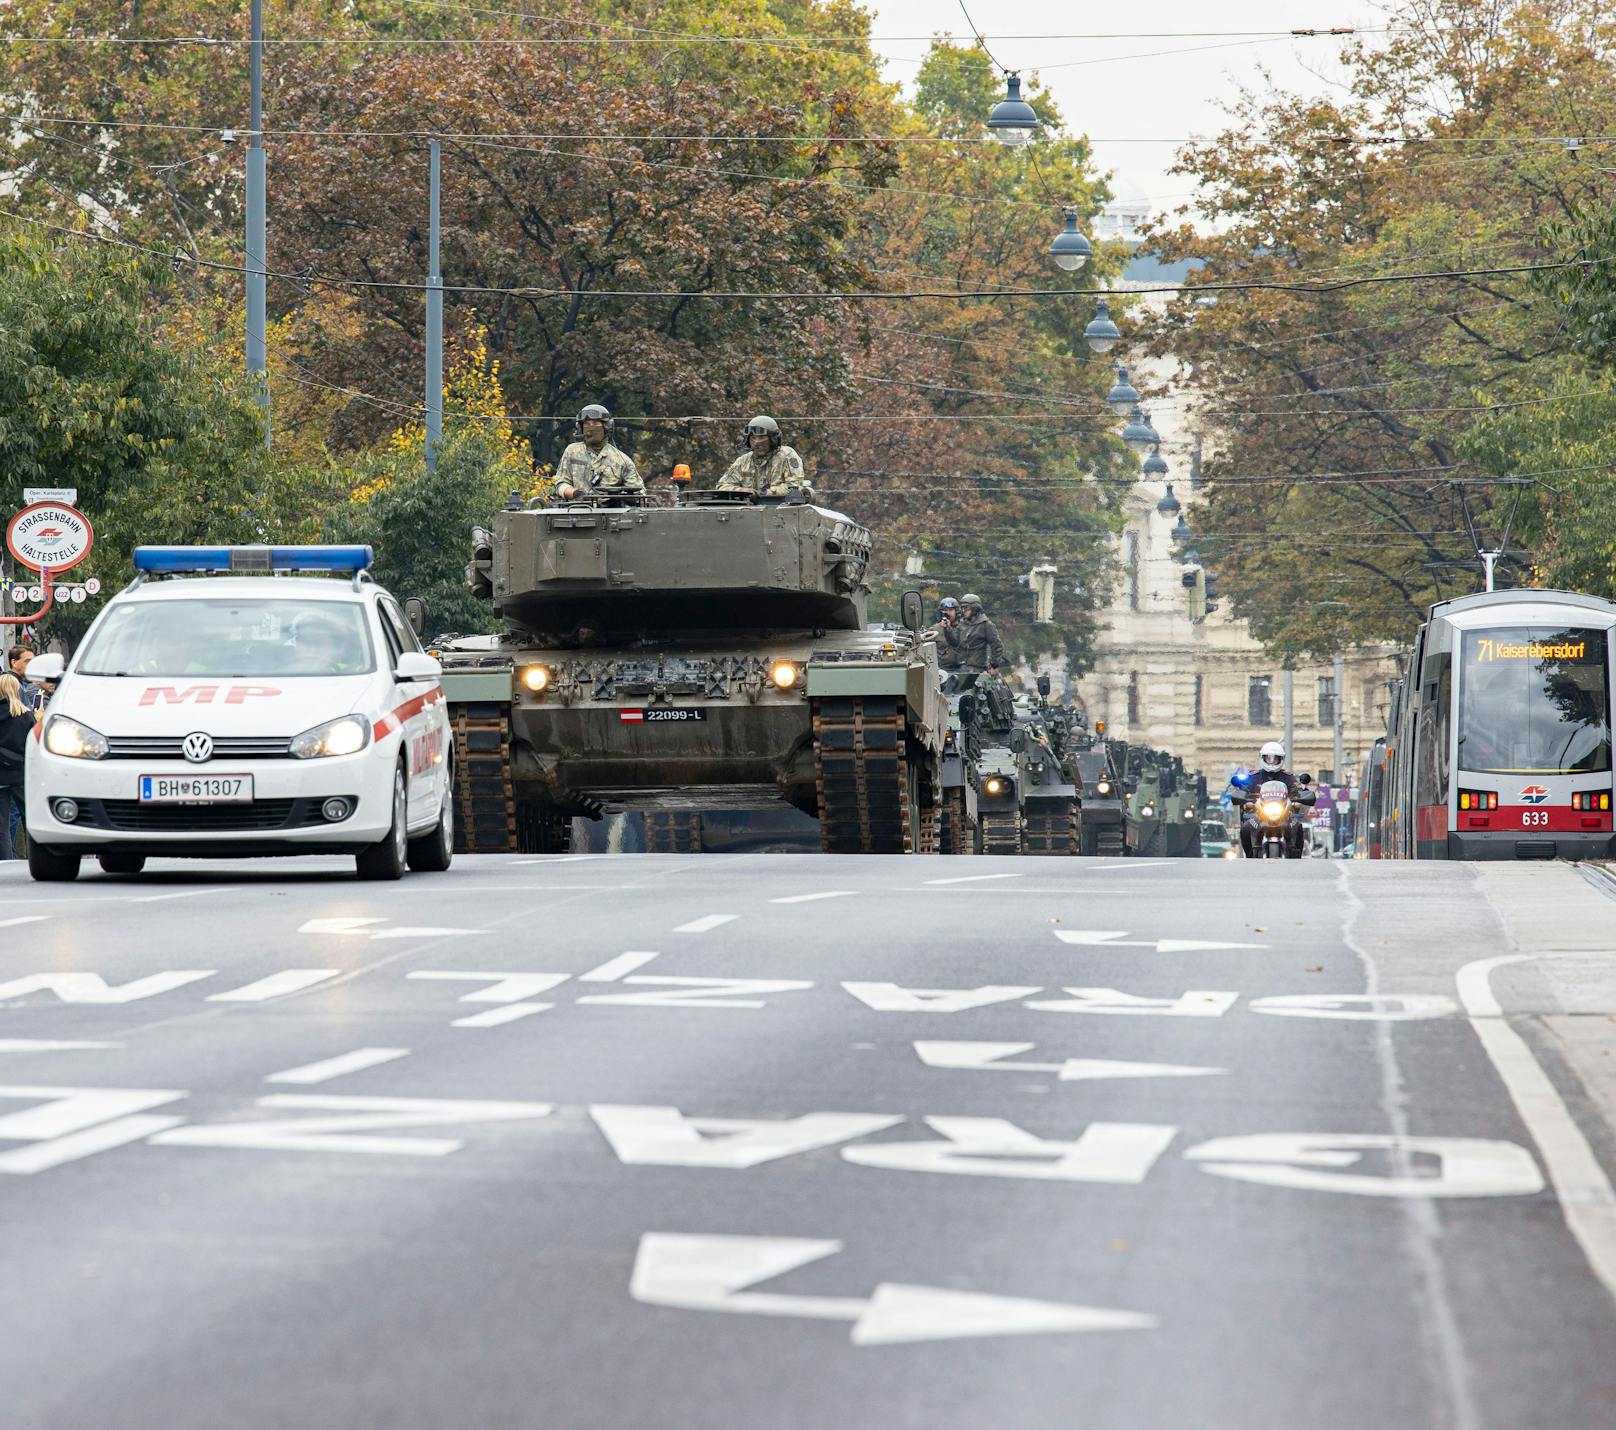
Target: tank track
485,794
1001,832
1055,833
673,831
867,799
1111,842
541,830
956,834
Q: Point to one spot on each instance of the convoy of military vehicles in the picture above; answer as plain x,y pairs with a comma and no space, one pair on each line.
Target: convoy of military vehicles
710,665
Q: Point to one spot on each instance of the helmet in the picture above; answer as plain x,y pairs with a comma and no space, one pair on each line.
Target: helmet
766,425
1273,756
970,599
948,603
596,413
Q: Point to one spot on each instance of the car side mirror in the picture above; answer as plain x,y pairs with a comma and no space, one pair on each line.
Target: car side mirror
45,667
413,665
911,611
415,614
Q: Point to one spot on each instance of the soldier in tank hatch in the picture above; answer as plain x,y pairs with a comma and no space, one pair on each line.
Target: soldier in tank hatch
593,466
766,468
975,637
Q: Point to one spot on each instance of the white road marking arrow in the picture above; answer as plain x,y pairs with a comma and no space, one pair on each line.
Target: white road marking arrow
988,1057
1106,938
711,1273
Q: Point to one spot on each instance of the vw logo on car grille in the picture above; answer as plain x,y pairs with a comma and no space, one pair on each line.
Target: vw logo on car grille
197,747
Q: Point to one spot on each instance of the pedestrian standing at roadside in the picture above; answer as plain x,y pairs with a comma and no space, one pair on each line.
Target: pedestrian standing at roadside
16,725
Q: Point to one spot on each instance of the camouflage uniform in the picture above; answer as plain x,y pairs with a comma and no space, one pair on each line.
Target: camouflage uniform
978,643
608,472
773,477
947,637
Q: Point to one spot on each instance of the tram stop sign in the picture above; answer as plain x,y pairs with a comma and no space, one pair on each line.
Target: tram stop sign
50,535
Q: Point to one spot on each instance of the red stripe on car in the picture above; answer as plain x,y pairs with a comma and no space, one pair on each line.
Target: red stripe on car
394,719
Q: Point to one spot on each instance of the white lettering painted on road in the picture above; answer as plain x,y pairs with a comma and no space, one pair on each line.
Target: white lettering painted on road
75,1122
1107,939
93,988
340,925
276,985
48,1045
713,1272
814,898
615,968
1118,1152
1302,1161
665,1137
1371,1007
706,923
355,1116
506,987
505,1013
890,998
1197,1003
989,1057
974,878
328,1068
699,992
1586,1197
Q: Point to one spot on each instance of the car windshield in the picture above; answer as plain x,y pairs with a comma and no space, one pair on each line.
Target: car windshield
1534,701
232,639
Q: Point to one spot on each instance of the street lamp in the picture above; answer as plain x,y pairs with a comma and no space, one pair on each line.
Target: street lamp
1139,434
1169,505
1012,121
1181,533
1071,250
1124,396
1155,464
1102,335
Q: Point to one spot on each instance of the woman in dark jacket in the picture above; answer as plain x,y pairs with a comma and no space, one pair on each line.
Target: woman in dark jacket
16,725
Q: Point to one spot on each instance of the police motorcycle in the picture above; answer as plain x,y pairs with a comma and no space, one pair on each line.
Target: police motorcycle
1277,815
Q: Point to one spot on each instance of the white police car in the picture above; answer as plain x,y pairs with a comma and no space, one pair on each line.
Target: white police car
239,709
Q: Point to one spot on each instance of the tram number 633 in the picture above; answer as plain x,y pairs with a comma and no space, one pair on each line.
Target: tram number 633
1530,817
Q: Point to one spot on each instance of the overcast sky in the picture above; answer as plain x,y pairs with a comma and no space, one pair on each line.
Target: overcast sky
1120,91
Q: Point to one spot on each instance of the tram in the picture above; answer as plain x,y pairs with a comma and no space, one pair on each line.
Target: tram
1498,738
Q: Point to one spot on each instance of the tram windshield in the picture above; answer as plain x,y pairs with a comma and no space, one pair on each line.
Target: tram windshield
1534,700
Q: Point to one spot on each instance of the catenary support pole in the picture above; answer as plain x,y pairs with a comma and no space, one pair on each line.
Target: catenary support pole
1338,704
1290,714
434,326
257,269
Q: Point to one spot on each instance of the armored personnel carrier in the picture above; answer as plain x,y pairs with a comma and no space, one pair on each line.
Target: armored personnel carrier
709,655
1101,822
1051,823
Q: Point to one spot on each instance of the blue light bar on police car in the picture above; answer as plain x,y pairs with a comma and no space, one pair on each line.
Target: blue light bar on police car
252,560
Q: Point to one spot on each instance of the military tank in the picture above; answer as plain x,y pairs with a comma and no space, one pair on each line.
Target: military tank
1050,824
709,655
960,829
1001,747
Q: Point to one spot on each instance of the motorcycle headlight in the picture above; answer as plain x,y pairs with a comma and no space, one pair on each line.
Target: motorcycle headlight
1272,809
74,741
346,735
1231,853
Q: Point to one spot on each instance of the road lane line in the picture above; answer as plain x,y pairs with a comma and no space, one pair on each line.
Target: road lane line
42,1156
810,898
277,985
328,1068
505,1013
706,923
1586,1197
47,1045
615,968
974,878
188,894
24,919
1133,864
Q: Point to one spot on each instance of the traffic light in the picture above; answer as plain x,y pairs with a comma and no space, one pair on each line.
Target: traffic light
1194,581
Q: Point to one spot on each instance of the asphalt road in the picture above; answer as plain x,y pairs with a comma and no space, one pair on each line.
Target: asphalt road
807,1141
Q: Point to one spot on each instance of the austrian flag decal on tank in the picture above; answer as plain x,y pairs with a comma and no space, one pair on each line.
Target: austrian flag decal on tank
1534,794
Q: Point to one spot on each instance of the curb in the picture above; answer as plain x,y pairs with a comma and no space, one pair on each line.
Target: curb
1602,875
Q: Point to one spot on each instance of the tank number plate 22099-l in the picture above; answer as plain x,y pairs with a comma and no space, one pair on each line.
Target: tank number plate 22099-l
661,714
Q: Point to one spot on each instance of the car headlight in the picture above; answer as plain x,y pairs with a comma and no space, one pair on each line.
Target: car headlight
1231,853
74,741
346,735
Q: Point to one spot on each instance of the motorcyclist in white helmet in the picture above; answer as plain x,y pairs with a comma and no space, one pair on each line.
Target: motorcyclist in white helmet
1244,786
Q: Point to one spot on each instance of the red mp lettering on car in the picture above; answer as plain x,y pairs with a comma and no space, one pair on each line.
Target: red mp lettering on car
239,693
172,695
